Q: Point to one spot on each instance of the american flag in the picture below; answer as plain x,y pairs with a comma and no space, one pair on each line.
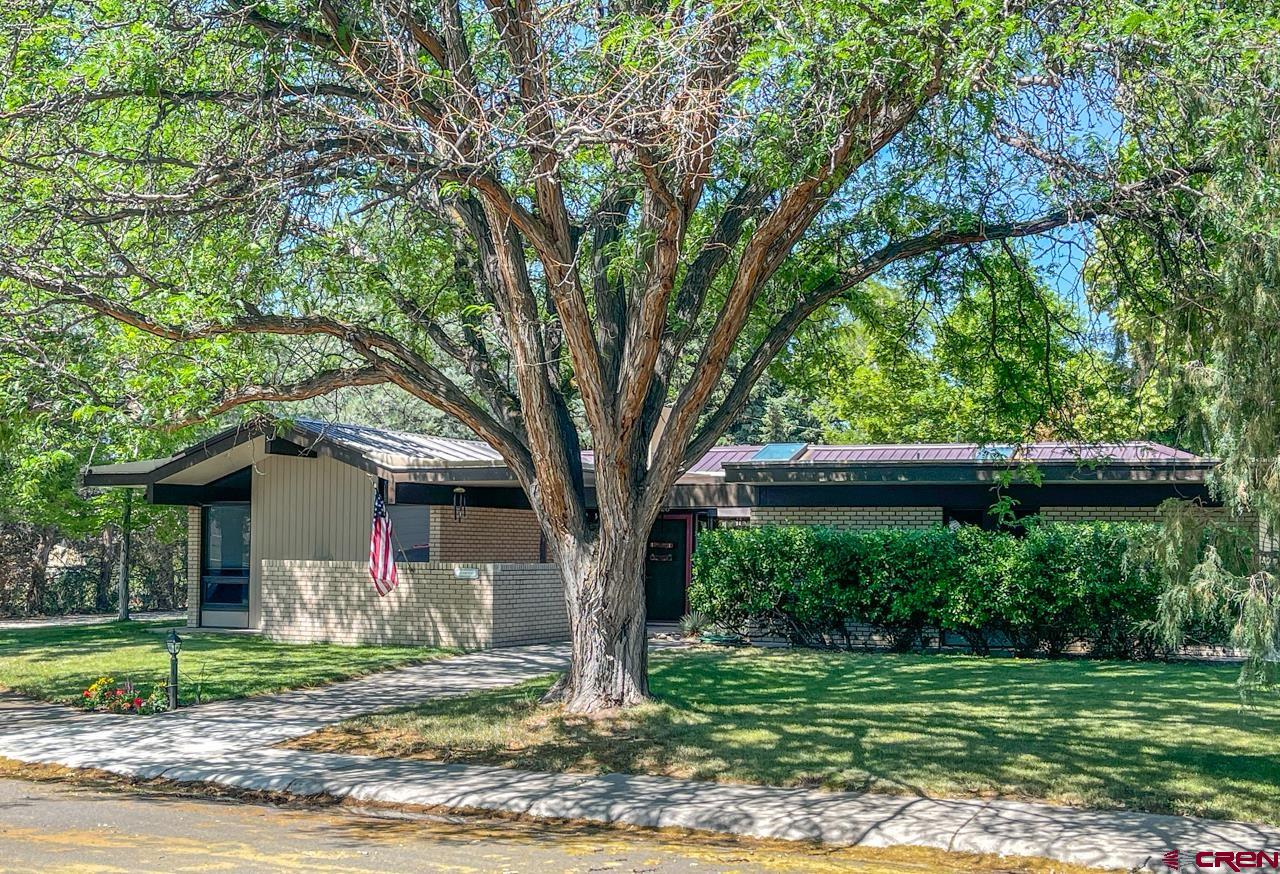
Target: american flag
382,555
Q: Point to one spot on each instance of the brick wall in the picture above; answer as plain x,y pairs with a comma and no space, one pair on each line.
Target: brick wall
528,605
333,601
193,566
1248,521
484,534
1100,514
848,517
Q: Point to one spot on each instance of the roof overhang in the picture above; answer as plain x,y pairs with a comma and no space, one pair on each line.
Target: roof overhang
954,472
216,456
130,473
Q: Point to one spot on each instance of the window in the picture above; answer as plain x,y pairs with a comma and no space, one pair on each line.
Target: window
411,531
224,557
983,518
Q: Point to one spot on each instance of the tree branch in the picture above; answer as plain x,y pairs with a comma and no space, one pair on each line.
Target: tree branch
933,241
312,387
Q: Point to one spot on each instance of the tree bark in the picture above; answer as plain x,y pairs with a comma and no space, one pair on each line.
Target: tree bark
604,591
126,545
47,539
106,552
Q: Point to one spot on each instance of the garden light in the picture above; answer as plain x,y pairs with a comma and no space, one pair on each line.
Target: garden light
173,644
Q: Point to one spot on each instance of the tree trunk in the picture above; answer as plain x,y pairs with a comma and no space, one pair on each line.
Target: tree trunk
45,543
604,591
126,544
102,588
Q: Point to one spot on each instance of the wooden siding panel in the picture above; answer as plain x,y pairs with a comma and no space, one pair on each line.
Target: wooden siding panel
306,509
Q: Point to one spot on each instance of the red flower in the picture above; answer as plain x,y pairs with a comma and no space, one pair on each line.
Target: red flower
137,702
86,693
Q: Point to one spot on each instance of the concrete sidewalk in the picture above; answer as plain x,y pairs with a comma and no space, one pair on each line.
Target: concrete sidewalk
230,744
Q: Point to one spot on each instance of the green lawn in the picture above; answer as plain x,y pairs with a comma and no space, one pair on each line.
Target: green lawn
1147,736
56,664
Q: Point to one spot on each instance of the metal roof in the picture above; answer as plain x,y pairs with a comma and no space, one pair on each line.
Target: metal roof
402,448
711,463
715,460
1135,451
405,451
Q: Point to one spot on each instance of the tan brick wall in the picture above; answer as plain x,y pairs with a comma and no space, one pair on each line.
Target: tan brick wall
1248,521
484,534
528,605
193,566
1100,514
313,601
849,517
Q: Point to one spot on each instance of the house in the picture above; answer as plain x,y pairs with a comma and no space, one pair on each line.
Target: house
279,518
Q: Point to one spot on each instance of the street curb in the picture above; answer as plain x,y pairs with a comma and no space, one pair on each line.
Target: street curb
1099,839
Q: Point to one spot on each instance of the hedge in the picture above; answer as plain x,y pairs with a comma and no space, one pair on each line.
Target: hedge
1057,585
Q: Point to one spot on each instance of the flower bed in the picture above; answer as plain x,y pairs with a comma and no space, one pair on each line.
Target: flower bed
104,694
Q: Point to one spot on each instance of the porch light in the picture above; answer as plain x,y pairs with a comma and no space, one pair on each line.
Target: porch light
173,644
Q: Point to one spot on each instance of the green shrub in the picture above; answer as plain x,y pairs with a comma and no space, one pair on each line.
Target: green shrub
975,601
901,577
1054,586
770,576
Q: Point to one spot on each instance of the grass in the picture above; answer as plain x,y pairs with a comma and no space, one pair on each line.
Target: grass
1167,738
56,664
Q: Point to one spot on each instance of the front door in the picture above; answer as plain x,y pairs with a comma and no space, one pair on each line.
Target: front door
224,566
666,568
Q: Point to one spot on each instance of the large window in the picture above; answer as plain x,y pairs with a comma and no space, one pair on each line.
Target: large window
411,526
224,557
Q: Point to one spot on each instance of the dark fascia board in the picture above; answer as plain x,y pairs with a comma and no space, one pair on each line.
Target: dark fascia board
454,475
464,474
811,473
90,479
691,496
441,494
683,497
162,493
224,440
979,495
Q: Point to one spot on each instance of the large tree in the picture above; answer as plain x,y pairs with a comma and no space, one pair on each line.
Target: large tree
564,224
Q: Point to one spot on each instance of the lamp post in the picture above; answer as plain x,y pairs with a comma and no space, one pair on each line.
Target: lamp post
173,644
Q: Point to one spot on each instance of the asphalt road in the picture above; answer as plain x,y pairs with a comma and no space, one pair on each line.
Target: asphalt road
54,826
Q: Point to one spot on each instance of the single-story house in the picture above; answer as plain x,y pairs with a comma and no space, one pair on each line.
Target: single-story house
279,519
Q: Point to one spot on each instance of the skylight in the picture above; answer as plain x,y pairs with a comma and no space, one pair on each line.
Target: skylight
779,452
995,452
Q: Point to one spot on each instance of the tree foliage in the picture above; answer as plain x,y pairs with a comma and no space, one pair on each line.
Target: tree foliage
991,356
554,221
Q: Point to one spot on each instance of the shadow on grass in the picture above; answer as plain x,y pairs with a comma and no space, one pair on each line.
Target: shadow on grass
1147,736
57,663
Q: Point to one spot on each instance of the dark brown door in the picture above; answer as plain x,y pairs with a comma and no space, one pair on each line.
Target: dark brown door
666,568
